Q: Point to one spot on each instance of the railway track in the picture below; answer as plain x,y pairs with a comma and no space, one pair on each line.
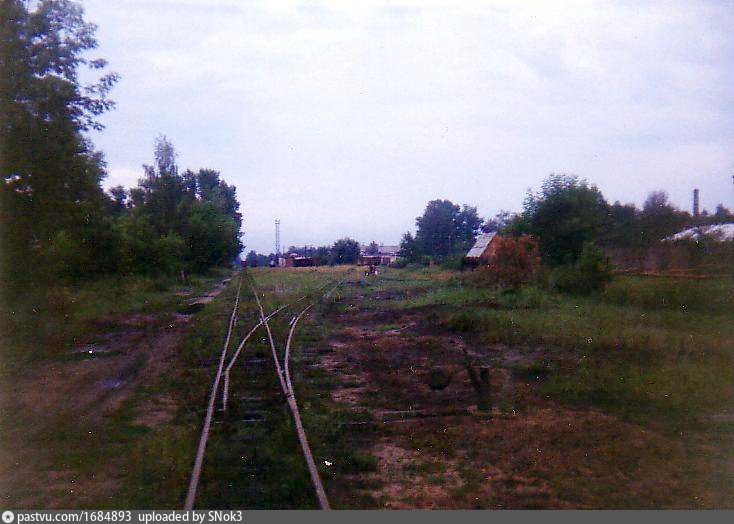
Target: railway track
201,449
283,375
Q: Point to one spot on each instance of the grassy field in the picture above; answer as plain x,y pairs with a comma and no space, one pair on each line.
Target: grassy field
653,352
48,321
618,400
643,346
78,367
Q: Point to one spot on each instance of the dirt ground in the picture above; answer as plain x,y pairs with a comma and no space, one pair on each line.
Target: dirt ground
432,447
434,450
57,415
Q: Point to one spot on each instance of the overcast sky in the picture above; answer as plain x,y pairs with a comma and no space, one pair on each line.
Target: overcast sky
345,118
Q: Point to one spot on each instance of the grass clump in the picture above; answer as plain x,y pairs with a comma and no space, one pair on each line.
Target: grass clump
672,294
359,462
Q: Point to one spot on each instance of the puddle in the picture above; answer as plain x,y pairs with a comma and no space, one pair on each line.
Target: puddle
112,383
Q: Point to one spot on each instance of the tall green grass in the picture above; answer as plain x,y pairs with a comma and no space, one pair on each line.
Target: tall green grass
705,296
643,345
46,321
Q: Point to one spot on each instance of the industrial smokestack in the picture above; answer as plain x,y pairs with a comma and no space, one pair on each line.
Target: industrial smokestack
695,202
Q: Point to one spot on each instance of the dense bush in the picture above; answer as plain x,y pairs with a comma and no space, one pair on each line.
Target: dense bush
590,273
564,215
453,262
515,262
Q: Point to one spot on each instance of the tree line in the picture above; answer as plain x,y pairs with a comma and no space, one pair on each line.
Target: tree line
343,251
566,216
56,221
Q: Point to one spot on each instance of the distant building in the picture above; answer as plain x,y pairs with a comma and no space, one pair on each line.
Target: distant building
369,260
304,261
717,232
483,249
385,255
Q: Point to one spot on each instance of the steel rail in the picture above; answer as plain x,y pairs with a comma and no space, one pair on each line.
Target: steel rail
225,390
293,405
227,371
276,361
198,462
284,380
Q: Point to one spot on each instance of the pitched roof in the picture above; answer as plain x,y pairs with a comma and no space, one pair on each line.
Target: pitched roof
481,244
719,232
388,250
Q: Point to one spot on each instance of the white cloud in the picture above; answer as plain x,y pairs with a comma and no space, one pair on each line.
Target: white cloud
344,117
123,176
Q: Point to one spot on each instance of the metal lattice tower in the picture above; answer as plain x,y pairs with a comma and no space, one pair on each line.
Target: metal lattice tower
277,237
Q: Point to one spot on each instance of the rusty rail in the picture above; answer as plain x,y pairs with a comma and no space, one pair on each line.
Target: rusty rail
233,360
199,460
293,405
284,379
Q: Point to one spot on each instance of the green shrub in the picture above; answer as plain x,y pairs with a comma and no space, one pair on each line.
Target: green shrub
453,262
590,273
358,462
464,321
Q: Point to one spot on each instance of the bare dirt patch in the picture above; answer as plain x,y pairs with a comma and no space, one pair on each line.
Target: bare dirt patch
63,409
533,453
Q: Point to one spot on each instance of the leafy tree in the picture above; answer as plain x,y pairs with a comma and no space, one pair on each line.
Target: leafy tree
211,237
323,254
210,188
255,259
161,191
195,213
445,228
252,259
500,222
622,228
589,273
119,199
564,215
345,251
49,173
659,218
409,248
372,248
303,251
722,215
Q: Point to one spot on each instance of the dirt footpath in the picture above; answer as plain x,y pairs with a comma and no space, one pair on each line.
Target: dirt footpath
59,417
